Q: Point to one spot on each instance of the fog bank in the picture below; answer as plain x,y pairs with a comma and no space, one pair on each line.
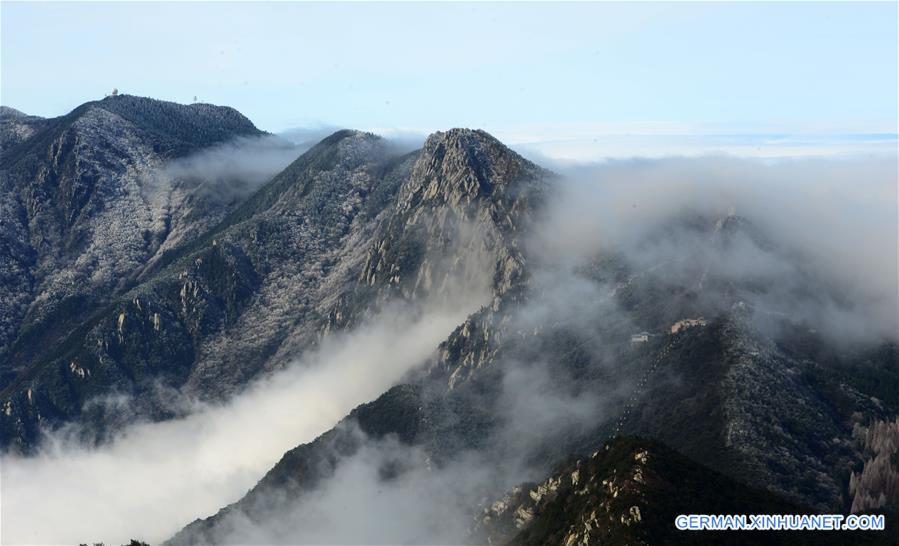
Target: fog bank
155,478
827,226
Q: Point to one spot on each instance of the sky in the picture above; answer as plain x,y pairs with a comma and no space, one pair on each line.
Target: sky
565,78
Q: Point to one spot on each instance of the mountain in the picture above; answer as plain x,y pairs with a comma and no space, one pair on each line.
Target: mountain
340,231
689,352
780,408
86,207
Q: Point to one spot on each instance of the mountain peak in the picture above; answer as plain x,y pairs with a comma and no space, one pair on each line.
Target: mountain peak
198,124
345,140
170,128
462,165
462,136
471,145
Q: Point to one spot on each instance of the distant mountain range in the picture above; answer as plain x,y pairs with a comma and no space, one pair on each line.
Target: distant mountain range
655,392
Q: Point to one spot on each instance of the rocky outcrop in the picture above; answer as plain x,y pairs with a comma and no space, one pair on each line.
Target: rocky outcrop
630,492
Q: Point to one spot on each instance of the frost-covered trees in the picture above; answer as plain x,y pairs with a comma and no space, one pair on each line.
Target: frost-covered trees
877,485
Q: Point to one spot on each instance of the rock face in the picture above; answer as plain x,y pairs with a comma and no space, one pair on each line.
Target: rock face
630,492
466,194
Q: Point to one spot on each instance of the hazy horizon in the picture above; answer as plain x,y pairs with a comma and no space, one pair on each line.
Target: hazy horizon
615,80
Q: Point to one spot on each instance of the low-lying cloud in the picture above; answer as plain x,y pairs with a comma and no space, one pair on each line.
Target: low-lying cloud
308,136
393,493
236,168
812,225
831,221
157,477
819,246
401,141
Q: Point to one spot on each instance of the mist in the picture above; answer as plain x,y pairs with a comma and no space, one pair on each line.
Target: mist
230,172
400,141
822,221
394,493
234,169
831,222
389,492
828,222
308,136
155,478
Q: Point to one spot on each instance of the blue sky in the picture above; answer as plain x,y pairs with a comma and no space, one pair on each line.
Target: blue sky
534,72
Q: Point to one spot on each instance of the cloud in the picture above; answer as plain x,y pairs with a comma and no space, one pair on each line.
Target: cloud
584,143
393,493
234,169
308,136
361,504
403,141
819,245
400,141
157,477
827,227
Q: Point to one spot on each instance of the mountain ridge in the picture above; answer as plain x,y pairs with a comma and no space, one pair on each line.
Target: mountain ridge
182,290
671,347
